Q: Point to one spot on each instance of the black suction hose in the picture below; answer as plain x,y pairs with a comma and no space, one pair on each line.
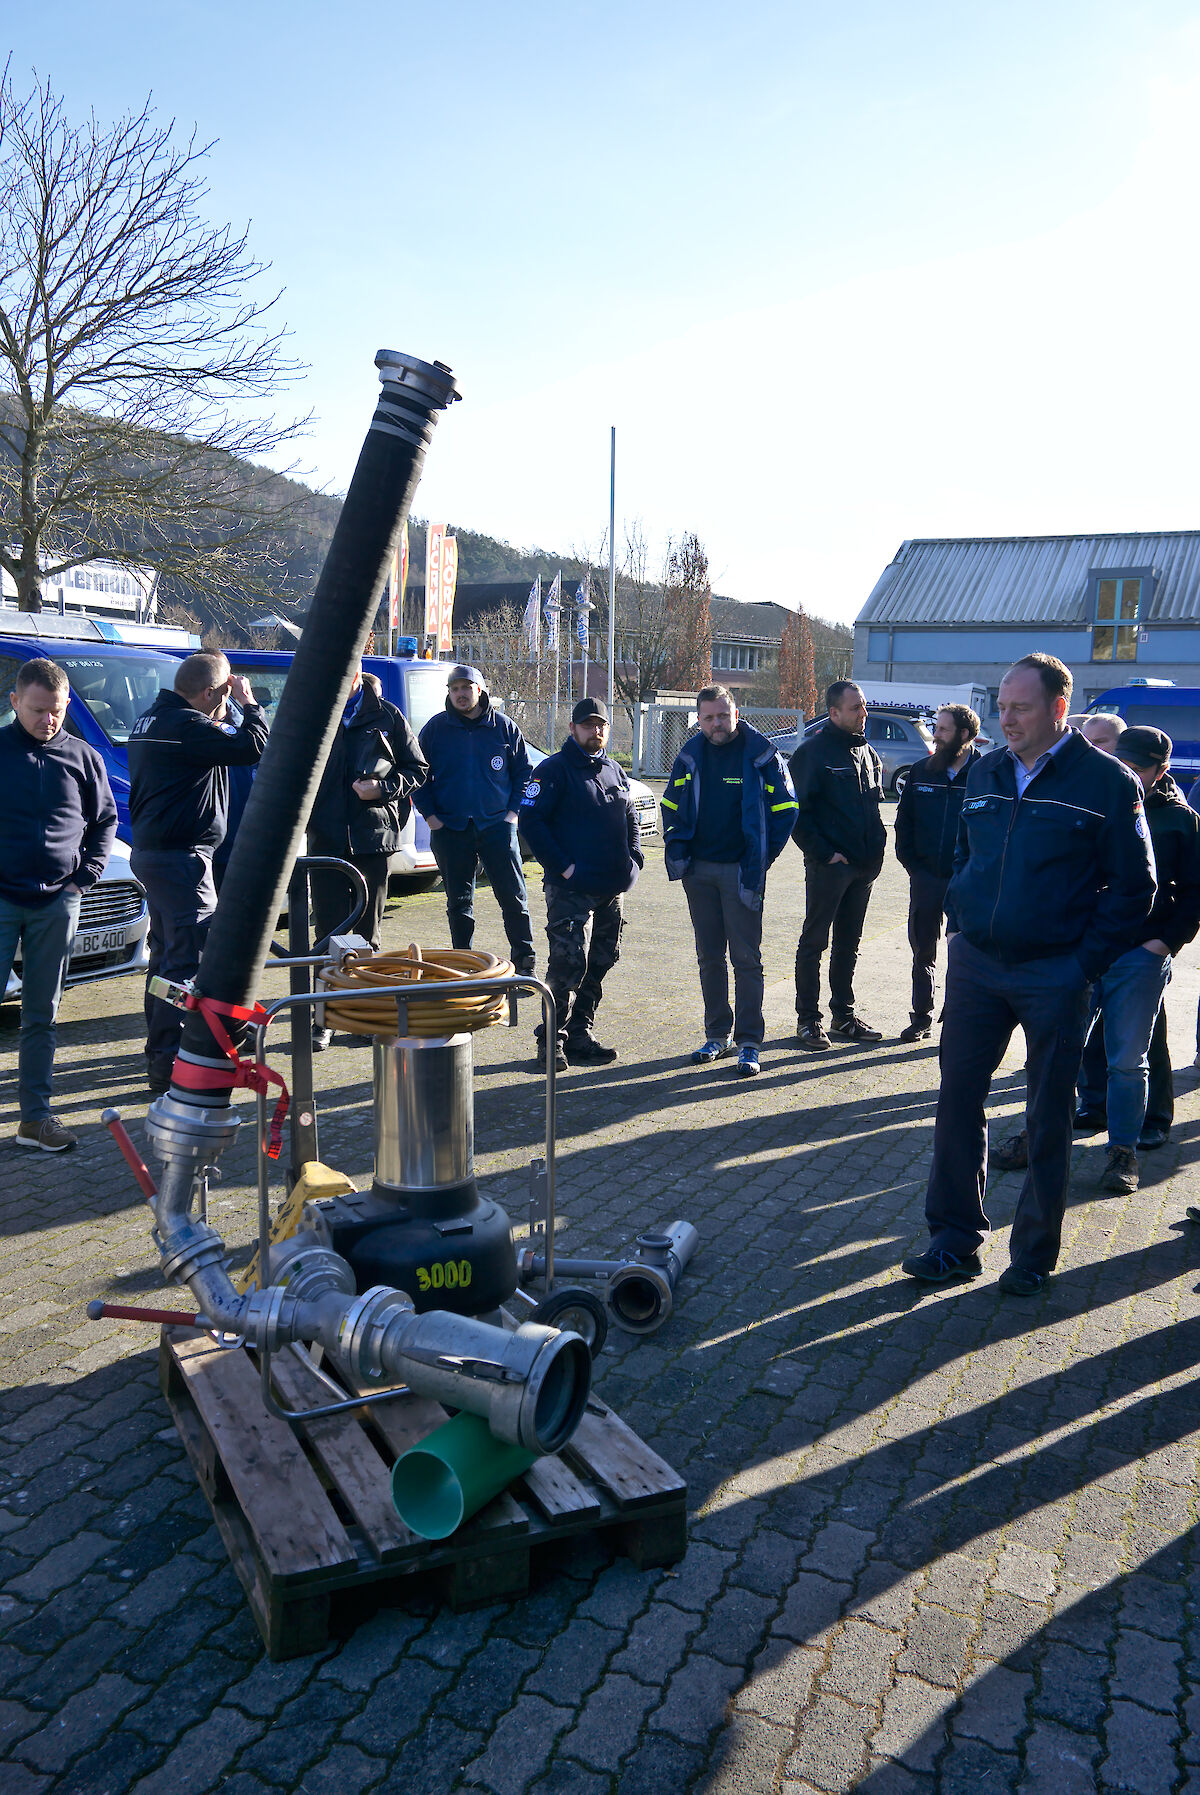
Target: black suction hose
311,703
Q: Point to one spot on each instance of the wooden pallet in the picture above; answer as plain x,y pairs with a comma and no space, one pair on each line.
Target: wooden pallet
305,1509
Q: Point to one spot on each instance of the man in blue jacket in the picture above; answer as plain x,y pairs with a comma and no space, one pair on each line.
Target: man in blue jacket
179,755
478,769
57,825
728,811
1053,877
578,817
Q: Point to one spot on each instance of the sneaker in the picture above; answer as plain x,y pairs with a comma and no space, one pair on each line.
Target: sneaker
1018,1280
812,1037
48,1134
855,1029
1120,1175
560,1058
1152,1137
1012,1155
748,1066
159,1067
321,1037
1089,1121
937,1266
585,1050
917,1031
711,1050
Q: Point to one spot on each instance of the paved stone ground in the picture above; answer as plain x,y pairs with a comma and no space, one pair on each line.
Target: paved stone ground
937,1542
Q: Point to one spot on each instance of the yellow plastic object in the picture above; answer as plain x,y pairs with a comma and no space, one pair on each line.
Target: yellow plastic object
352,1008
315,1180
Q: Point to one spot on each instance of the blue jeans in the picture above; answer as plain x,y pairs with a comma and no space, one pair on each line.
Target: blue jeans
1130,995
457,851
45,933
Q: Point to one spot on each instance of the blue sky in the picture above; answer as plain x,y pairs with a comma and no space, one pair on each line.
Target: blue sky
839,274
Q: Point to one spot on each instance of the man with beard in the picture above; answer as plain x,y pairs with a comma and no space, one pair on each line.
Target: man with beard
840,832
926,831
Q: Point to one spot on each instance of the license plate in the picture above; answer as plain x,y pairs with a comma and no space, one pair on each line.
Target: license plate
97,941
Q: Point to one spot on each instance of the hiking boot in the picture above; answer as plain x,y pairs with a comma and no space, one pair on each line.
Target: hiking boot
812,1037
748,1066
855,1029
937,1266
1012,1155
1018,1280
48,1134
1120,1175
712,1050
560,1058
585,1050
917,1031
159,1067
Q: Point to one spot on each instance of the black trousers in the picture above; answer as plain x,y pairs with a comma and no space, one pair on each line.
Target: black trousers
584,933
985,1002
835,898
333,897
926,899
181,899
1093,1082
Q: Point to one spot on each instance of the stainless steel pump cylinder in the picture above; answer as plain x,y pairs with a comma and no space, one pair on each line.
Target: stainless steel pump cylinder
424,1113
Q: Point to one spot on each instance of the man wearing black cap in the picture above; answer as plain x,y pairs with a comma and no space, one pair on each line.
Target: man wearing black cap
578,817
1129,995
478,768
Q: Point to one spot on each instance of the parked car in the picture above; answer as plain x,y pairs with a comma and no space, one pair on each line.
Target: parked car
900,740
644,801
114,925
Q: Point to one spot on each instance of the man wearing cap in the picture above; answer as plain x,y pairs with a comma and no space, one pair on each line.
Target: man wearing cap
1053,881
1129,995
728,812
578,817
478,769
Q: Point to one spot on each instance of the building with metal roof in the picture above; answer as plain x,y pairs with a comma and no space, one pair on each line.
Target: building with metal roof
1114,608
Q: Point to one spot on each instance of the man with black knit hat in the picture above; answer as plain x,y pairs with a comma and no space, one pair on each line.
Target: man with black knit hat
478,768
578,817
1129,995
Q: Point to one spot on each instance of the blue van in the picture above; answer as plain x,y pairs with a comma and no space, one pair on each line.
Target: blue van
1160,705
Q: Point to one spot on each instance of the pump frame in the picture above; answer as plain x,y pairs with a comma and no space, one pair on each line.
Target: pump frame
418,992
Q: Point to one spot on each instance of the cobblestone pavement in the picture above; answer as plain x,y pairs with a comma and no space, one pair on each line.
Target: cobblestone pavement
936,1542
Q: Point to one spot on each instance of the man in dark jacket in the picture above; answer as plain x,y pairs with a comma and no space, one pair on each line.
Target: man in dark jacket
1129,996
840,832
478,769
926,831
362,804
57,825
728,811
1053,877
578,817
178,809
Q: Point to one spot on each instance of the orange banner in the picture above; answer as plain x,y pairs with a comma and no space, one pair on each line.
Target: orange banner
434,538
449,582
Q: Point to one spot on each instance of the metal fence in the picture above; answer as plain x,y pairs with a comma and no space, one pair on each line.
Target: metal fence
648,735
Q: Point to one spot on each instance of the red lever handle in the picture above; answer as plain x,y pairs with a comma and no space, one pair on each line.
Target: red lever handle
98,1311
137,1165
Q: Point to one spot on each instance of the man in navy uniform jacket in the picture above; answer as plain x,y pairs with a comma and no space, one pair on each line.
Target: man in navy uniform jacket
578,817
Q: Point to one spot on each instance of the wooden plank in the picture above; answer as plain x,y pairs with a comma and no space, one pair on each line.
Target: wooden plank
558,1493
296,1534
604,1448
404,1421
351,1461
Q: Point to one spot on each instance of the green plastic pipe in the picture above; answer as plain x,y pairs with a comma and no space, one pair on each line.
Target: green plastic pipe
452,1474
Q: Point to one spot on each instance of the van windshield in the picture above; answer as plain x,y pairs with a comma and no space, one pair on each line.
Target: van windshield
425,693
118,688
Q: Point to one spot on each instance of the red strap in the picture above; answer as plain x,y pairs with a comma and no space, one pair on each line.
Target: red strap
247,1074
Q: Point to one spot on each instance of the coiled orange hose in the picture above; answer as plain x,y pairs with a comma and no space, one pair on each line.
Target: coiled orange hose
359,1013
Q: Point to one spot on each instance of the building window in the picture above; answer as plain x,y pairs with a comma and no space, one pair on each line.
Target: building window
1120,601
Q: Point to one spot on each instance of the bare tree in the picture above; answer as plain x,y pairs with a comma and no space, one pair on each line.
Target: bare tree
797,682
663,636
134,354
495,642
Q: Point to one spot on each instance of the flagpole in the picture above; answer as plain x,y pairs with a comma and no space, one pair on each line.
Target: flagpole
612,565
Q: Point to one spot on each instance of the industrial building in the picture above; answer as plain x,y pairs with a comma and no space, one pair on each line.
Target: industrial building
1114,608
